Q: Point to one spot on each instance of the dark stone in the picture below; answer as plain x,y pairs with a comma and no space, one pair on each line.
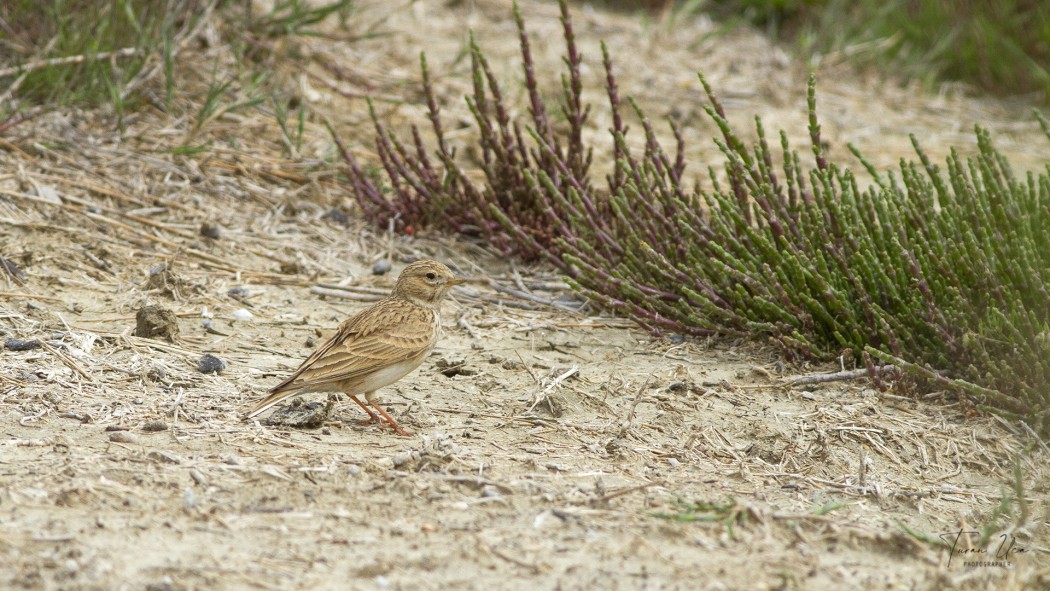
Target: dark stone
209,363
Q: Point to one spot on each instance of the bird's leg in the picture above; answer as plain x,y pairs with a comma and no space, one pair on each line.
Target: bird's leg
397,428
373,417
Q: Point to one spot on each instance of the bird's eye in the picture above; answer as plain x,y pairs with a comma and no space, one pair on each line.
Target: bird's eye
431,276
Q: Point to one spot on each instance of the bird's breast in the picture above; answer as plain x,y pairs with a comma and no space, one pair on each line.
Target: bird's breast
381,377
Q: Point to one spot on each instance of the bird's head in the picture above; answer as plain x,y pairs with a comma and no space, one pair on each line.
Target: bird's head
425,283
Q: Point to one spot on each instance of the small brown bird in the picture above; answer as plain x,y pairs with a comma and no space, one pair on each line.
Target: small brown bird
377,346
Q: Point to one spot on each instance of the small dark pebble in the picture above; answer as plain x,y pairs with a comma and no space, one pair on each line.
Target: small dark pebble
292,268
209,363
164,584
381,268
337,215
156,374
21,344
155,426
13,270
210,230
238,293
677,339
112,428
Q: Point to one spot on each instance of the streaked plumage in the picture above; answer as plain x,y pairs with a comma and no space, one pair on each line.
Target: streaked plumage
377,346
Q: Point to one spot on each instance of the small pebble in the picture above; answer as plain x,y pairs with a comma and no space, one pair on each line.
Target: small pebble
337,215
210,230
209,363
242,314
381,268
165,584
164,456
154,426
189,500
122,437
48,193
14,344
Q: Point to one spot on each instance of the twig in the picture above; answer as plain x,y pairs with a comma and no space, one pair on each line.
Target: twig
66,359
544,395
535,568
356,288
463,323
474,413
839,376
535,380
383,98
1038,440
568,374
628,490
531,298
347,295
62,61
31,296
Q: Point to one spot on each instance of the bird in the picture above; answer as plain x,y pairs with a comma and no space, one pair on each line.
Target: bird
377,346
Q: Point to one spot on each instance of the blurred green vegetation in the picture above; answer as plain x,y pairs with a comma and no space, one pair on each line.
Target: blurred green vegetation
1000,46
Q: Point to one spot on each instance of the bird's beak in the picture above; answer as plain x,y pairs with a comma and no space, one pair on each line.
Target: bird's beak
456,281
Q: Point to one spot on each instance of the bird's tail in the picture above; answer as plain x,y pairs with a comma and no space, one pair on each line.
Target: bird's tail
263,405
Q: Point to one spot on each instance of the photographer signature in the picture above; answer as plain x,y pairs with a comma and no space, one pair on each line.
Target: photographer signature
1007,545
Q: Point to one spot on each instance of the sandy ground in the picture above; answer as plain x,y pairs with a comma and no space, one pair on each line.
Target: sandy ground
554,448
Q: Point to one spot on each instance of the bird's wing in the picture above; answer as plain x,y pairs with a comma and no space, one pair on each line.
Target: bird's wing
365,342
360,354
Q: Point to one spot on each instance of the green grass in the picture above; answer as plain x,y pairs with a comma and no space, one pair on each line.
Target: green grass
82,52
89,53
1000,46
730,513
